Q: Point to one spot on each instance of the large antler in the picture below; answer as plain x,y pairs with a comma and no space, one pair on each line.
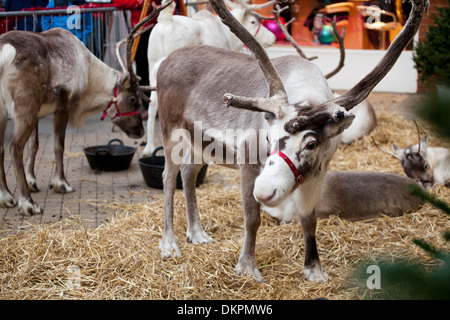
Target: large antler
277,12
362,89
340,38
252,7
278,97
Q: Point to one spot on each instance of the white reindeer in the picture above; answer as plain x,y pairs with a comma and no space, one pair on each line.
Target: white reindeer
298,121
53,72
173,32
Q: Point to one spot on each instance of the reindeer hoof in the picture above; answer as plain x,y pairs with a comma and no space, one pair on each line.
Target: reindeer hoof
61,187
199,237
315,273
7,200
32,186
249,269
169,249
27,206
148,150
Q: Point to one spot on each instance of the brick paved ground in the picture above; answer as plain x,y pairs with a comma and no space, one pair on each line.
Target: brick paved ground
90,187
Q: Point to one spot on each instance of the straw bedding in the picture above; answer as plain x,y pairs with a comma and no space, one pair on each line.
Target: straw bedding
120,260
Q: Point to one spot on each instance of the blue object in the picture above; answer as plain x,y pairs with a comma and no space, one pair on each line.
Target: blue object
327,35
78,24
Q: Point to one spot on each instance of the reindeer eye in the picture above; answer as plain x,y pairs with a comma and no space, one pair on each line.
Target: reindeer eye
425,165
311,145
132,99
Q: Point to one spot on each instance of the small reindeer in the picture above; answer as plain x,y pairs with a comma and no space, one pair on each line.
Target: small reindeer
53,72
427,164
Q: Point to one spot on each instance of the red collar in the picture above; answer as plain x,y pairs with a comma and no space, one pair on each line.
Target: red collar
298,176
118,113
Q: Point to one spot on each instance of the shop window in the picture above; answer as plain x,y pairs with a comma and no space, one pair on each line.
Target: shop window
368,24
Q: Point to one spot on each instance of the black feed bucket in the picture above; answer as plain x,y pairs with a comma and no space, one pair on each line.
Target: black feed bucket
110,157
152,168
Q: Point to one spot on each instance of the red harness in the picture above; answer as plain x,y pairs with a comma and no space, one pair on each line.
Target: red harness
256,33
118,113
298,176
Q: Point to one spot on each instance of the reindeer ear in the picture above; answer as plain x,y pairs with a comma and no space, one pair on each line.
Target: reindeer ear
398,151
424,144
333,128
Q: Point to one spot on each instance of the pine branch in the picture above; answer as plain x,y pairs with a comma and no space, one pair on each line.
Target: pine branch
418,191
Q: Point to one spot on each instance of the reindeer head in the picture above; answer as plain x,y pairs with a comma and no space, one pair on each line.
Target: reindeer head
125,106
304,137
302,141
414,162
251,20
128,94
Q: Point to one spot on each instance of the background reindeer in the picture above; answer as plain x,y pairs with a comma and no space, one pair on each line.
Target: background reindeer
301,118
53,72
174,32
357,196
427,164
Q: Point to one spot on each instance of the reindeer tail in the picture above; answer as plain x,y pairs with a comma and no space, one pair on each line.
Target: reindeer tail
7,55
167,14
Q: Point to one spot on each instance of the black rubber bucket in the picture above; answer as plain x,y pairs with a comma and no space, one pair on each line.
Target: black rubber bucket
110,157
152,169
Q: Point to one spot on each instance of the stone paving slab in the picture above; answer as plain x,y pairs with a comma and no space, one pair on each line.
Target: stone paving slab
91,187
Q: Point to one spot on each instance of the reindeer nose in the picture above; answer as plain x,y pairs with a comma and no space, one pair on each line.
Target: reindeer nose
136,132
264,198
340,115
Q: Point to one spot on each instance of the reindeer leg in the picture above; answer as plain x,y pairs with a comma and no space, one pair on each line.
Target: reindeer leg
6,199
22,132
59,182
168,245
152,109
33,148
252,220
313,270
195,233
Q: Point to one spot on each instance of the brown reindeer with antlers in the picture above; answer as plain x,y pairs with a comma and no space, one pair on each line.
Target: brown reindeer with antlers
53,72
297,123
